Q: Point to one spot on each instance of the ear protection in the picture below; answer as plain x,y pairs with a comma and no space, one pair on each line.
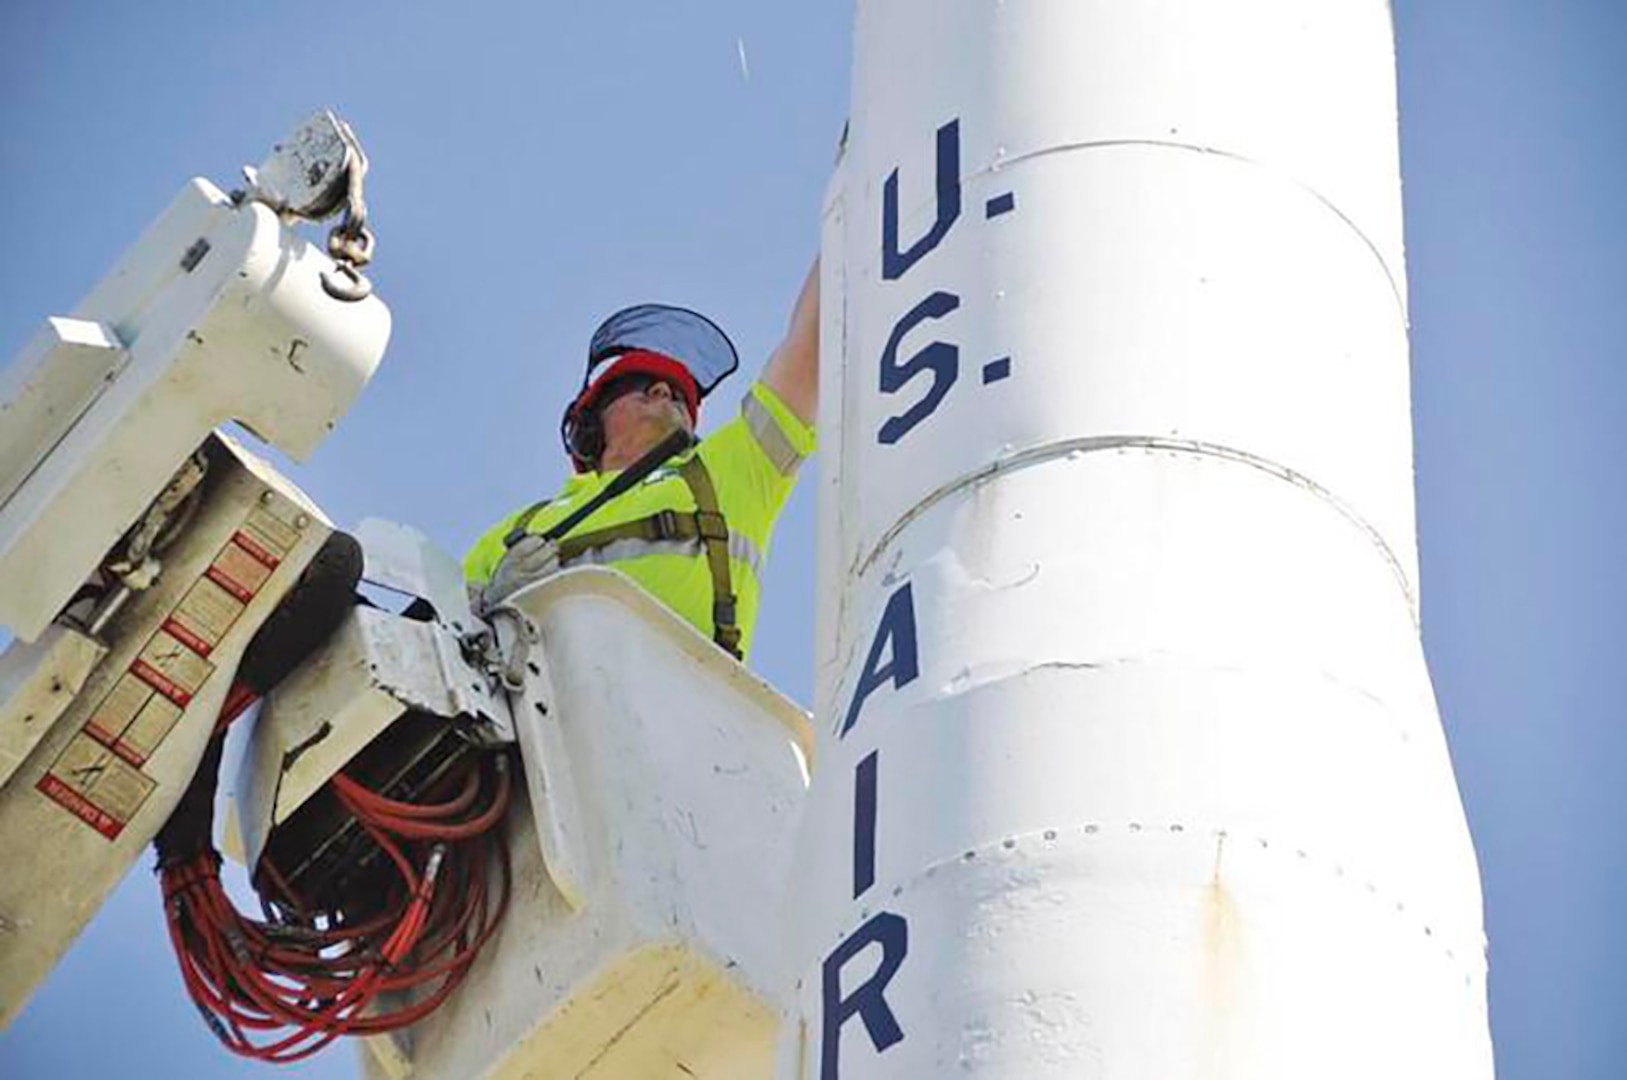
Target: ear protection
582,431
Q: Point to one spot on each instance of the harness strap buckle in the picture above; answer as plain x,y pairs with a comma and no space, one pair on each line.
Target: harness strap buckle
711,525
664,523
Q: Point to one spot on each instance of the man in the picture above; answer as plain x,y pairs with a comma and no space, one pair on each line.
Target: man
694,532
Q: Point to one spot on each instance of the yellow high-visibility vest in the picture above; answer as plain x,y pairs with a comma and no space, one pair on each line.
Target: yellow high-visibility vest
753,461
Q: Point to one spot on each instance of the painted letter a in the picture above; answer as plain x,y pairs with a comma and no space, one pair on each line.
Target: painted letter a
895,638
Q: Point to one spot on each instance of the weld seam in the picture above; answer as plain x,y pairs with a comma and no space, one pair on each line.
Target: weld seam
1040,455
1211,151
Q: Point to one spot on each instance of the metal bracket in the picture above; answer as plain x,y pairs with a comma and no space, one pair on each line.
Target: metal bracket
306,174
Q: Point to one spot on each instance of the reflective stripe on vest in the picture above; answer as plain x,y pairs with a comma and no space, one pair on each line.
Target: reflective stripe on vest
776,445
741,549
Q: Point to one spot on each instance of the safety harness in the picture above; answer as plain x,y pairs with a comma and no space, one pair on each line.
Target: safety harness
706,524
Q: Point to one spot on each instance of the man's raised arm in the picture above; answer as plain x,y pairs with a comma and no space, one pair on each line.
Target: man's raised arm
793,371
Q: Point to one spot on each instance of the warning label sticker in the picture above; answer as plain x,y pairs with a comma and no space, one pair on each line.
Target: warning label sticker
204,615
96,786
133,718
151,724
239,571
169,666
98,777
118,709
273,537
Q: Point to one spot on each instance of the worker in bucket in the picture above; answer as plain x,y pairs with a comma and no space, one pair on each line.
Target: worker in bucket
690,522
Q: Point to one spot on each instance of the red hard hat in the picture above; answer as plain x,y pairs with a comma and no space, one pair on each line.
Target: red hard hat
643,362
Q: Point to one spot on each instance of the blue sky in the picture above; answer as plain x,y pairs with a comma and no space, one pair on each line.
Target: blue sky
537,166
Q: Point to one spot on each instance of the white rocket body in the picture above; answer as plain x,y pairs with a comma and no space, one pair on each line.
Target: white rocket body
1129,764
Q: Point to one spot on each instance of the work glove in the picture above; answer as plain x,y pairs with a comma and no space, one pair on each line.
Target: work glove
531,559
